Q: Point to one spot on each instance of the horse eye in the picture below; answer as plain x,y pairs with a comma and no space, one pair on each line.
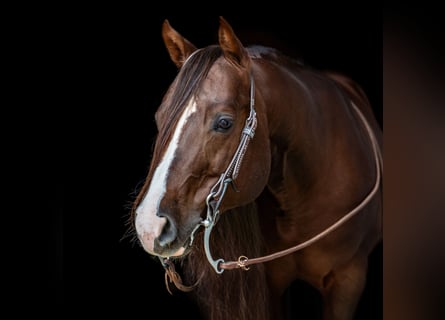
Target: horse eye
223,124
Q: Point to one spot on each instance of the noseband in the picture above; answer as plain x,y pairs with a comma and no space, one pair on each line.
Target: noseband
217,192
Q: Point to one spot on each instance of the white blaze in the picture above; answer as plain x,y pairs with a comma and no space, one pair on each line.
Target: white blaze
148,224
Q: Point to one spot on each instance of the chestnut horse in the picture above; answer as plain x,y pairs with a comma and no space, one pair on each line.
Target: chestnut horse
266,162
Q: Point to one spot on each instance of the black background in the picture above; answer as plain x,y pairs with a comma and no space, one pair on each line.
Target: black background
106,70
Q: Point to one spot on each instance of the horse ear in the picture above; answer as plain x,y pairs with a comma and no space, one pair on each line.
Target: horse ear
232,47
177,46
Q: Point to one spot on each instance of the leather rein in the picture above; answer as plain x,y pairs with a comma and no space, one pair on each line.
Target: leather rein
227,178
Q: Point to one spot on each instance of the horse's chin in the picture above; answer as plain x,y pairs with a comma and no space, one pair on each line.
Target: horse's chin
179,253
182,252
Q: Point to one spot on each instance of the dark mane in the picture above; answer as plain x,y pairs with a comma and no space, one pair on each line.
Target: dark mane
230,295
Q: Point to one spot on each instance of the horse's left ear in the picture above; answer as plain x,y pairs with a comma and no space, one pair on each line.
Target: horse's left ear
232,47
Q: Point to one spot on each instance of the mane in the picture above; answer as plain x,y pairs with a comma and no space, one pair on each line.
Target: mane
234,294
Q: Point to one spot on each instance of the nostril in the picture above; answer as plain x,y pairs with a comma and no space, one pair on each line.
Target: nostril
168,233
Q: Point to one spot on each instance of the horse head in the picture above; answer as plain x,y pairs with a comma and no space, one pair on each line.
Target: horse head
201,121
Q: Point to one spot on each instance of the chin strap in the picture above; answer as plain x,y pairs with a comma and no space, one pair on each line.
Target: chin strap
171,276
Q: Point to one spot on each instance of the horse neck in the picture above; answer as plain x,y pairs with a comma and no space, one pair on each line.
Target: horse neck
315,133
295,118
